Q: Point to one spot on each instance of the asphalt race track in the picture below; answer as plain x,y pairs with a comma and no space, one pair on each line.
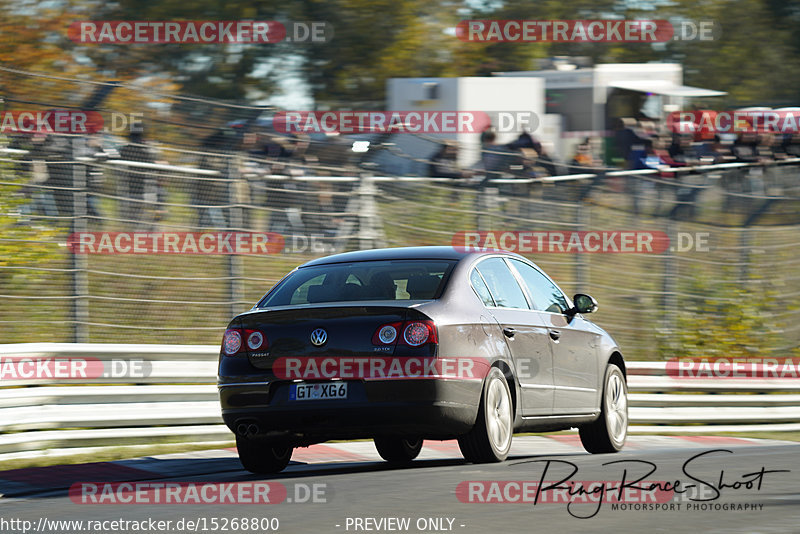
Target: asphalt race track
726,485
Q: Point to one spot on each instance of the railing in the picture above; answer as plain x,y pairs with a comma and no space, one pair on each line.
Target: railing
175,399
748,223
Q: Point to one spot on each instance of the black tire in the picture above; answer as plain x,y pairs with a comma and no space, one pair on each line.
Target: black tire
490,439
398,450
609,431
261,456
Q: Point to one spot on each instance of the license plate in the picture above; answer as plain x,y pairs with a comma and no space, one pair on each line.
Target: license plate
325,391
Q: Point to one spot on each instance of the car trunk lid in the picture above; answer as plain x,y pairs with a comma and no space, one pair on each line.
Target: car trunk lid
341,330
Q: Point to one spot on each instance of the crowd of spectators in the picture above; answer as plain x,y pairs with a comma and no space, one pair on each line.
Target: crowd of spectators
639,144
646,144
251,166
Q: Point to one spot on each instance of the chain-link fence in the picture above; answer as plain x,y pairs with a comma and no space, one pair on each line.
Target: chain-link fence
724,282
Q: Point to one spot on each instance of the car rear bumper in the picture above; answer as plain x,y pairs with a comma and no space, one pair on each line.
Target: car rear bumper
412,408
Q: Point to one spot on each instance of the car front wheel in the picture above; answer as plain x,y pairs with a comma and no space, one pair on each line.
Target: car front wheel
262,456
608,432
490,438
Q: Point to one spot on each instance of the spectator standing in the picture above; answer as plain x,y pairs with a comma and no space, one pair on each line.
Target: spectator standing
133,181
444,163
210,193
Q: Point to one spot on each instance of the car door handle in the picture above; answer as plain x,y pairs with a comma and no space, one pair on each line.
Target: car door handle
509,332
554,335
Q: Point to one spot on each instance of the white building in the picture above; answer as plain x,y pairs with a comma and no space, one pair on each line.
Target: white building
486,94
589,100
571,102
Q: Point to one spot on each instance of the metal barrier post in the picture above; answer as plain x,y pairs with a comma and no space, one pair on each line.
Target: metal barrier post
670,299
581,267
79,262
235,261
744,253
368,223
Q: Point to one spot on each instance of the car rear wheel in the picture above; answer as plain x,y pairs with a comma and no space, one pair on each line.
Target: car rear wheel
398,450
608,432
262,456
490,438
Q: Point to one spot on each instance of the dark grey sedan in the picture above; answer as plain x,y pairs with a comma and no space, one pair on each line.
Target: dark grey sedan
406,344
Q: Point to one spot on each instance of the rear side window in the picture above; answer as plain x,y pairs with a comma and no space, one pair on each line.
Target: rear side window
362,281
502,284
480,288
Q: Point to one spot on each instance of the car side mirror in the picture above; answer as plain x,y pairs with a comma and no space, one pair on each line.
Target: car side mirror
582,304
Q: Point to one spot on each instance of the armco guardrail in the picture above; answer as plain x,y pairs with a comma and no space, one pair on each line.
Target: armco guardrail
176,399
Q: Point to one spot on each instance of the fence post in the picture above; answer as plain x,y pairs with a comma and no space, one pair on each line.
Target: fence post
236,223
486,203
744,253
479,207
368,220
79,262
581,272
670,302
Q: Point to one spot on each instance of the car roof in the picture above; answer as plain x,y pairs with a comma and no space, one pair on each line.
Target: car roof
401,253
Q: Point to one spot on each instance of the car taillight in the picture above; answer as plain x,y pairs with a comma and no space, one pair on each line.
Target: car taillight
256,340
232,341
414,333
386,334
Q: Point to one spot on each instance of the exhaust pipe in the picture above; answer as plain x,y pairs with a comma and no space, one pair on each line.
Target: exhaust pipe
247,429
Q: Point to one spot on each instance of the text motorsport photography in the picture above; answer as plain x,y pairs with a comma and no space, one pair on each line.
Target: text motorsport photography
635,486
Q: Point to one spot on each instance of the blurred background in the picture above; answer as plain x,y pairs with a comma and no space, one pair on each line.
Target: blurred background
206,156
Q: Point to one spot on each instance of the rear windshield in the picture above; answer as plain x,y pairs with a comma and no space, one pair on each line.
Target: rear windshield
363,280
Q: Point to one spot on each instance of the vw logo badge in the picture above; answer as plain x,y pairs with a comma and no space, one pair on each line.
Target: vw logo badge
319,337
